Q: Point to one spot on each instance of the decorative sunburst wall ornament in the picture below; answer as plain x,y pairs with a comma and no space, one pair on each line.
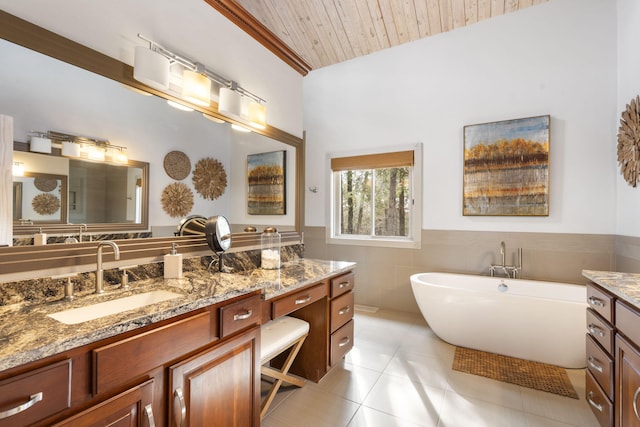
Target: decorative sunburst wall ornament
209,178
45,184
45,204
177,199
629,142
177,165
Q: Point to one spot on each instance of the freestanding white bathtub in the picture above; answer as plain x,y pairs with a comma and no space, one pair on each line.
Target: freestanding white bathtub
528,319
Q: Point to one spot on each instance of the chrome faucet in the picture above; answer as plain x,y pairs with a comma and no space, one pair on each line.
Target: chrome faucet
99,271
82,227
511,271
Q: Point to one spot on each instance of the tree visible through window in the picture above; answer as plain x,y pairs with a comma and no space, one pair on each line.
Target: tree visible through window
373,195
375,202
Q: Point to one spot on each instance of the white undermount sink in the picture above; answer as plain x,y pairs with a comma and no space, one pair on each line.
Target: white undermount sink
96,311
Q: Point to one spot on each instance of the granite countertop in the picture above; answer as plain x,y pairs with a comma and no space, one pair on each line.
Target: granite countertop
626,286
28,334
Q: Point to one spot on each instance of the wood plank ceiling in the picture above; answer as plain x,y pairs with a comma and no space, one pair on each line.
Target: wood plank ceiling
326,32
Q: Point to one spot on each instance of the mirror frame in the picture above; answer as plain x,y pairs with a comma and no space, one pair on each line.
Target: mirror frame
33,37
65,227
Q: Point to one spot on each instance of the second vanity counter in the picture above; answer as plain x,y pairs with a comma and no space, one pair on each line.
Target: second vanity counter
28,333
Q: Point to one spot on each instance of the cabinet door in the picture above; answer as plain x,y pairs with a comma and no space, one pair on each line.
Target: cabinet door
131,408
219,386
628,384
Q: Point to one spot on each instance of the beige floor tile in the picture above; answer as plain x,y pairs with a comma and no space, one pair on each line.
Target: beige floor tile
558,408
370,355
311,407
426,369
458,411
406,399
349,381
367,417
538,421
485,389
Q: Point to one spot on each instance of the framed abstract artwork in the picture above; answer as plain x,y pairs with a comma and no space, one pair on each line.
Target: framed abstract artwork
266,178
506,167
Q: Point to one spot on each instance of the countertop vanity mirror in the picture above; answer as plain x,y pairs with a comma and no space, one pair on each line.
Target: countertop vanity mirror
142,190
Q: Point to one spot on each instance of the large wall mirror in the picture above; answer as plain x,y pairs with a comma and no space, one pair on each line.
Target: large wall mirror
39,94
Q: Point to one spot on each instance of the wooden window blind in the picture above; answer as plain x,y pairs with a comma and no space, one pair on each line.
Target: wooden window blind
373,161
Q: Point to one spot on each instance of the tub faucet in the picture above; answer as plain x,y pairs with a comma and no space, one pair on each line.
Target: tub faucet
511,271
99,271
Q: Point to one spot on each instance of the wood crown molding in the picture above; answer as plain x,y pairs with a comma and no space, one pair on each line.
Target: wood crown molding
250,25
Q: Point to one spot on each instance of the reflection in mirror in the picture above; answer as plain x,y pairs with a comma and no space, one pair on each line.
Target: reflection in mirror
39,198
90,104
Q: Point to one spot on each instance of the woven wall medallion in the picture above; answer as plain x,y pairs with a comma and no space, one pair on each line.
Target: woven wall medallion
45,184
629,142
177,165
177,199
45,204
209,178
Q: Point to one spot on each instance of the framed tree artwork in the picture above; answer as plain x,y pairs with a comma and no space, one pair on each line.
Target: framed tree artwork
266,177
506,167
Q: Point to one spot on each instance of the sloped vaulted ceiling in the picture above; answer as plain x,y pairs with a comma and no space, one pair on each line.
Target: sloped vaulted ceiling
318,33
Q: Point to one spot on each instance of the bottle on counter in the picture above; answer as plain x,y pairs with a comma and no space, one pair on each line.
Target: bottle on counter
270,244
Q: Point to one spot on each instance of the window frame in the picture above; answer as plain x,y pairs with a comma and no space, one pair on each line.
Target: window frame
413,241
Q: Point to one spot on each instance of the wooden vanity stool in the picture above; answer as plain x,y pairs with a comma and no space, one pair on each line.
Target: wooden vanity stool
277,336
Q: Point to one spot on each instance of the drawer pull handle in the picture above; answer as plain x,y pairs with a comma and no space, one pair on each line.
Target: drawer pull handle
303,300
243,316
344,310
177,394
592,362
595,330
595,302
148,411
635,402
343,285
592,403
33,399
344,341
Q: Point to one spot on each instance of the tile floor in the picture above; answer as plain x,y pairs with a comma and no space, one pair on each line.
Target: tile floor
399,374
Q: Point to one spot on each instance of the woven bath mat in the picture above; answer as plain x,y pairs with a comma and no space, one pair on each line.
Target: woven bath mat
539,376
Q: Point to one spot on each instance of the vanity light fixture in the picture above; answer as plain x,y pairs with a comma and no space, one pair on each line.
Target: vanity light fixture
88,148
39,143
239,128
18,169
196,88
151,68
213,119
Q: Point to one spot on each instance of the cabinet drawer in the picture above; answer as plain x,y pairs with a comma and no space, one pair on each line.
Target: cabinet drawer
598,402
627,321
298,300
35,395
341,342
123,361
342,284
600,330
600,364
601,302
240,315
341,310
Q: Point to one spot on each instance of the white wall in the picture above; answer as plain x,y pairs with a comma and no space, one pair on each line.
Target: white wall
558,58
628,198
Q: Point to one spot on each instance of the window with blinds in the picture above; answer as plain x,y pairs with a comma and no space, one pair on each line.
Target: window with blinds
373,197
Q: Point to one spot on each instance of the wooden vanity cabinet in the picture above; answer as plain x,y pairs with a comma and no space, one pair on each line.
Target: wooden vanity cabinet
217,386
124,380
600,342
342,307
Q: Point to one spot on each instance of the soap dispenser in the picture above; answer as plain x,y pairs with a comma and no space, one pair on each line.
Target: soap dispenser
40,238
173,263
